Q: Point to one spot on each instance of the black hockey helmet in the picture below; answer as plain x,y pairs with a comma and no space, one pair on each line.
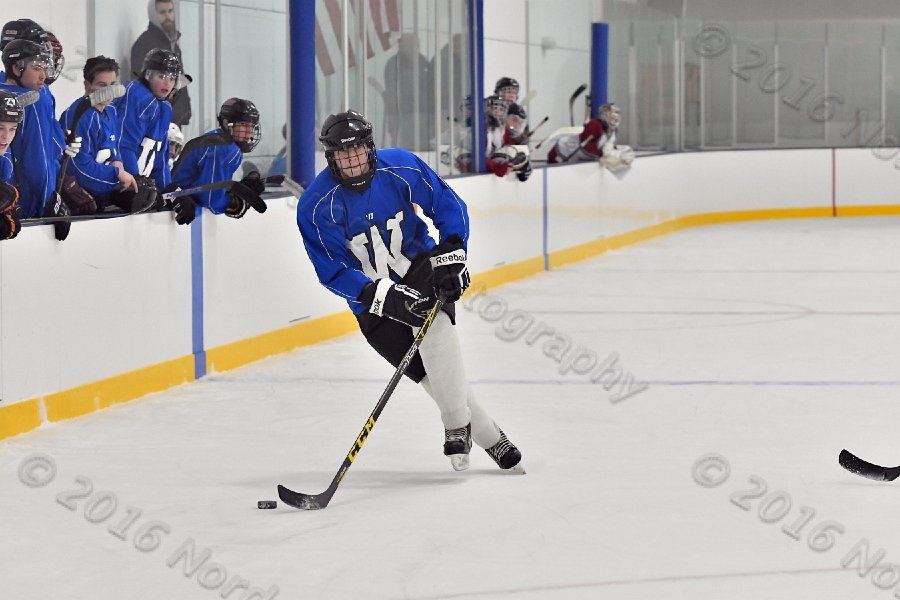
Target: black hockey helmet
10,109
347,130
505,83
164,61
517,110
238,110
495,108
17,52
23,29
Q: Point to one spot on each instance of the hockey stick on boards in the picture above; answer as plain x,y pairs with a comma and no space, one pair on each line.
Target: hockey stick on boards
866,469
235,187
530,132
316,501
572,100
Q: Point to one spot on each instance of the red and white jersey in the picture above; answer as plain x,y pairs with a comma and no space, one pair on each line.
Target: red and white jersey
599,133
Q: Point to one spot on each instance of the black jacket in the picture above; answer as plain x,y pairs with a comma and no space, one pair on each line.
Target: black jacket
153,38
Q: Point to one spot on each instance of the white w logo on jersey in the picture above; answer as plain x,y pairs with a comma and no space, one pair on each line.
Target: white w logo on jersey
384,260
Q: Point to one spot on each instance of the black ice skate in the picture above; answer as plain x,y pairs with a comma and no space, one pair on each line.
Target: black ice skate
506,455
457,443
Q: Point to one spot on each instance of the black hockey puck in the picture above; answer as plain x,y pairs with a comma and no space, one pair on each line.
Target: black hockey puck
266,504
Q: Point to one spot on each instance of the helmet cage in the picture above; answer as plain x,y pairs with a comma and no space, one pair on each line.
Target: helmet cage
237,110
342,132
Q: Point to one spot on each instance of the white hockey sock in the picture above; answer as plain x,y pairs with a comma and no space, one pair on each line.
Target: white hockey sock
446,383
485,432
446,379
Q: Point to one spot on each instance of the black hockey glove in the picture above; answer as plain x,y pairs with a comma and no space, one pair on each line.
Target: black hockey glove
56,207
185,208
254,182
237,208
9,197
9,212
448,261
525,172
396,301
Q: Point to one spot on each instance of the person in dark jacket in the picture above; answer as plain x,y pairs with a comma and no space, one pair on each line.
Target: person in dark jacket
162,33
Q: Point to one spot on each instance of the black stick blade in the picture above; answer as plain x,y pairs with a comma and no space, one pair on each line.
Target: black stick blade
863,468
306,501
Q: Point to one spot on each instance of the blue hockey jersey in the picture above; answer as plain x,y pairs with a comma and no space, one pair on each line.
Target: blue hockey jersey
144,133
37,150
6,168
211,157
353,238
91,166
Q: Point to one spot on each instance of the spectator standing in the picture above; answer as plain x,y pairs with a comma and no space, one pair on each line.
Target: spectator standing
162,32
408,96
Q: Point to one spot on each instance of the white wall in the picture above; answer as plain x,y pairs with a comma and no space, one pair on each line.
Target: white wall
116,296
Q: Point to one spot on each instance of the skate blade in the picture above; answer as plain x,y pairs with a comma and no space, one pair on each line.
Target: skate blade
519,468
460,462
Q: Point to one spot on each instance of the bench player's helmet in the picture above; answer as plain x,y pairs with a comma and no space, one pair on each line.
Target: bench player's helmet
10,109
58,61
611,114
20,52
238,110
507,88
164,61
343,131
24,29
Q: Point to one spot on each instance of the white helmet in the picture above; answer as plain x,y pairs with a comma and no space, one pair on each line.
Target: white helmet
176,141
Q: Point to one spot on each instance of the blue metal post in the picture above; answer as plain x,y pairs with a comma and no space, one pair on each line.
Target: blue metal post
302,92
599,65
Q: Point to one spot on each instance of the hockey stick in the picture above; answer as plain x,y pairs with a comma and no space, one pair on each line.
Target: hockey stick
61,214
866,469
572,100
292,186
316,501
530,132
105,94
235,187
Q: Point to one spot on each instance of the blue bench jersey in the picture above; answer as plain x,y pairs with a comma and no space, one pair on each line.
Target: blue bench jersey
353,238
91,166
144,133
37,151
6,168
211,157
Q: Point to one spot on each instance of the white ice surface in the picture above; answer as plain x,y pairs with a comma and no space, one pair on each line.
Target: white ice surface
774,344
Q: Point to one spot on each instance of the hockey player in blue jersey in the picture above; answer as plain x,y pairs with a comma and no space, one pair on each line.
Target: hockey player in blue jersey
216,156
96,175
39,144
361,232
10,116
144,115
